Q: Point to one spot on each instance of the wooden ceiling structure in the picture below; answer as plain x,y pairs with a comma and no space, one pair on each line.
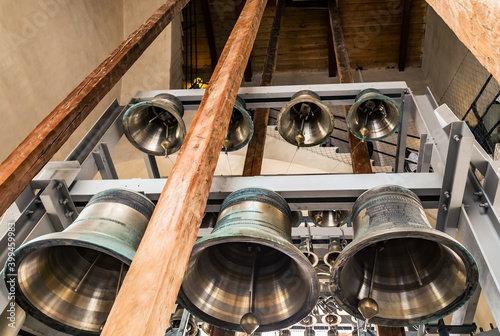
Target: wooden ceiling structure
376,32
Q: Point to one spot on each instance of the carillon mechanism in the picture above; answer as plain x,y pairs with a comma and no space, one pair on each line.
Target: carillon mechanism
305,121
240,129
373,116
156,127
69,280
398,270
175,321
307,249
247,275
329,218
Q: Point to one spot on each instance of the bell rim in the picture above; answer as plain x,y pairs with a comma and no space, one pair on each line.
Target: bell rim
138,107
437,236
371,95
287,107
23,251
283,246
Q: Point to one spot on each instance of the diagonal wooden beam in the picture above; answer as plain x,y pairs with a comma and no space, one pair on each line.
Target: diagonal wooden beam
405,34
359,151
238,6
476,24
332,59
17,171
150,288
207,18
255,150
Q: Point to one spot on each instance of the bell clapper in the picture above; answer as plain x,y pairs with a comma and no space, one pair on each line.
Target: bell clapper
87,273
414,266
166,144
300,137
367,306
250,322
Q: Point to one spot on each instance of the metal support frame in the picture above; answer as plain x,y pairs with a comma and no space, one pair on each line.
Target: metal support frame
38,211
406,106
151,165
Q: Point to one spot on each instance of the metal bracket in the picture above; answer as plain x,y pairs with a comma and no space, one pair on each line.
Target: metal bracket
424,155
407,105
184,323
455,175
58,204
151,165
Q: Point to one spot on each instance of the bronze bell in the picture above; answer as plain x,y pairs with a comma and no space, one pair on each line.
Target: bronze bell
156,127
331,319
240,129
305,121
398,270
334,250
373,116
247,274
175,321
309,321
69,280
331,218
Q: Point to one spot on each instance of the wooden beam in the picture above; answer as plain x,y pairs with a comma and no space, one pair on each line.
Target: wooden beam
150,288
21,166
476,24
238,6
359,151
207,18
405,34
332,59
255,150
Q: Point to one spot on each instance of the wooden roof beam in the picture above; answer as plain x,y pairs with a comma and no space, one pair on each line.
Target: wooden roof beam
405,34
21,166
359,151
477,24
150,288
207,18
255,151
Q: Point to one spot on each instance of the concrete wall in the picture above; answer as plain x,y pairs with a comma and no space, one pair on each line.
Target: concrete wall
442,55
48,48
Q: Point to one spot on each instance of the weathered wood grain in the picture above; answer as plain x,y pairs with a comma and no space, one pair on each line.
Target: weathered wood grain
149,291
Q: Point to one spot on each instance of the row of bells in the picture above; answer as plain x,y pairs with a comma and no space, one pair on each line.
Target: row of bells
247,275
156,126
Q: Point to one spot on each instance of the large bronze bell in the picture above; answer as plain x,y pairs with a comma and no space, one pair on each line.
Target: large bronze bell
247,275
305,121
240,129
373,116
334,249
156,126
69,280
398,270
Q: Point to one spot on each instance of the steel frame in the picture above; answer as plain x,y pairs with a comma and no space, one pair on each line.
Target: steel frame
61,189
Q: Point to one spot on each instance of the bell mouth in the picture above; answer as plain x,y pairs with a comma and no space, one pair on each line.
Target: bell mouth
316,129
70,288
379,114
148,124
286,286
421,276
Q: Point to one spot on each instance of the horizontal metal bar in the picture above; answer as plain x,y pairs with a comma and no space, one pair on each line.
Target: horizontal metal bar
277,96
302,192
